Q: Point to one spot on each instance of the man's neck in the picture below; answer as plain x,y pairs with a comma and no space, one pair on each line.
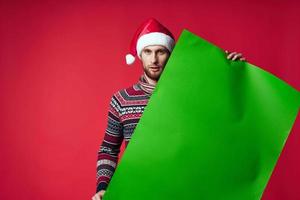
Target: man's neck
149,80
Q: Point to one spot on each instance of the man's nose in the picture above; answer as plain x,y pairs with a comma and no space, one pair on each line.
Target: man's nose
154,58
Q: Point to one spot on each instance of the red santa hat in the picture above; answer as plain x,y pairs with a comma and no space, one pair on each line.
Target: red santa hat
151,32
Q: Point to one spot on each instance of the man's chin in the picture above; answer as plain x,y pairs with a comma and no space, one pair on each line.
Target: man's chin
153,76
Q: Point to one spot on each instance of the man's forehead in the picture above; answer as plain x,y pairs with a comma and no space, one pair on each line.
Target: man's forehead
155,47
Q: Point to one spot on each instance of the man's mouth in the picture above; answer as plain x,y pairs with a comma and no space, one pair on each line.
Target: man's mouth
154,69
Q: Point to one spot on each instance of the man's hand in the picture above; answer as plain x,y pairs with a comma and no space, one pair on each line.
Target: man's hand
98,195
235,56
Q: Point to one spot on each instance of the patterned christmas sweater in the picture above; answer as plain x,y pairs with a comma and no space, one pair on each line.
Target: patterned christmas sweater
126,108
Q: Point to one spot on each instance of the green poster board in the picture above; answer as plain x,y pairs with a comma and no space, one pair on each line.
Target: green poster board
213,129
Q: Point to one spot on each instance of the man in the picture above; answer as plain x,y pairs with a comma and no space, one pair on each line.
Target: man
153,44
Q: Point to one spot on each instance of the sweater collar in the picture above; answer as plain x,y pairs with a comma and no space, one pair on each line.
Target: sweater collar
145,85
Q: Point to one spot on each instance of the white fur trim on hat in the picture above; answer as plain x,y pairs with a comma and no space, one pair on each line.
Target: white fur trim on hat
130,59
154,38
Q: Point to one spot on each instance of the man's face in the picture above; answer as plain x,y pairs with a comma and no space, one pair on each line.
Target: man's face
154,59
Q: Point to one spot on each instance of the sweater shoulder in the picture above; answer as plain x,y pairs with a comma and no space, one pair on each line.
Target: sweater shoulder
132,91
130,96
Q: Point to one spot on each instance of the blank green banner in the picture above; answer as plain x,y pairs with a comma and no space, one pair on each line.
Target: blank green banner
213,129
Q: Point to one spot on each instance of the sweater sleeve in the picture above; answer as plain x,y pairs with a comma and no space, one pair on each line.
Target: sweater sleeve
110,148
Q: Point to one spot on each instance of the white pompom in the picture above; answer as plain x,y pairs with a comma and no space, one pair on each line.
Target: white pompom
130,59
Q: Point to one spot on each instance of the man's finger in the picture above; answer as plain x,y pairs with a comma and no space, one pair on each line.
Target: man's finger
237,56
96,197
231,55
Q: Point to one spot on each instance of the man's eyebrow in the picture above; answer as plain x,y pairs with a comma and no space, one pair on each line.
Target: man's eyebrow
156,50
161,50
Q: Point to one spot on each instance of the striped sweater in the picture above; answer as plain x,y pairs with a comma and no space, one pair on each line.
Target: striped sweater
126,108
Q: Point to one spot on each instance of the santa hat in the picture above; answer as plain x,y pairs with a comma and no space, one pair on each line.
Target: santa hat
151,32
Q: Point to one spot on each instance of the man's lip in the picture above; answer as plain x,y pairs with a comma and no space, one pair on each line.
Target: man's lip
156,67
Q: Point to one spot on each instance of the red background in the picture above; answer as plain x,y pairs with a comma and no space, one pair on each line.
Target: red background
62,60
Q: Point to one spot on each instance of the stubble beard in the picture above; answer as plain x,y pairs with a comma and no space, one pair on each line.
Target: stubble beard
153,76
